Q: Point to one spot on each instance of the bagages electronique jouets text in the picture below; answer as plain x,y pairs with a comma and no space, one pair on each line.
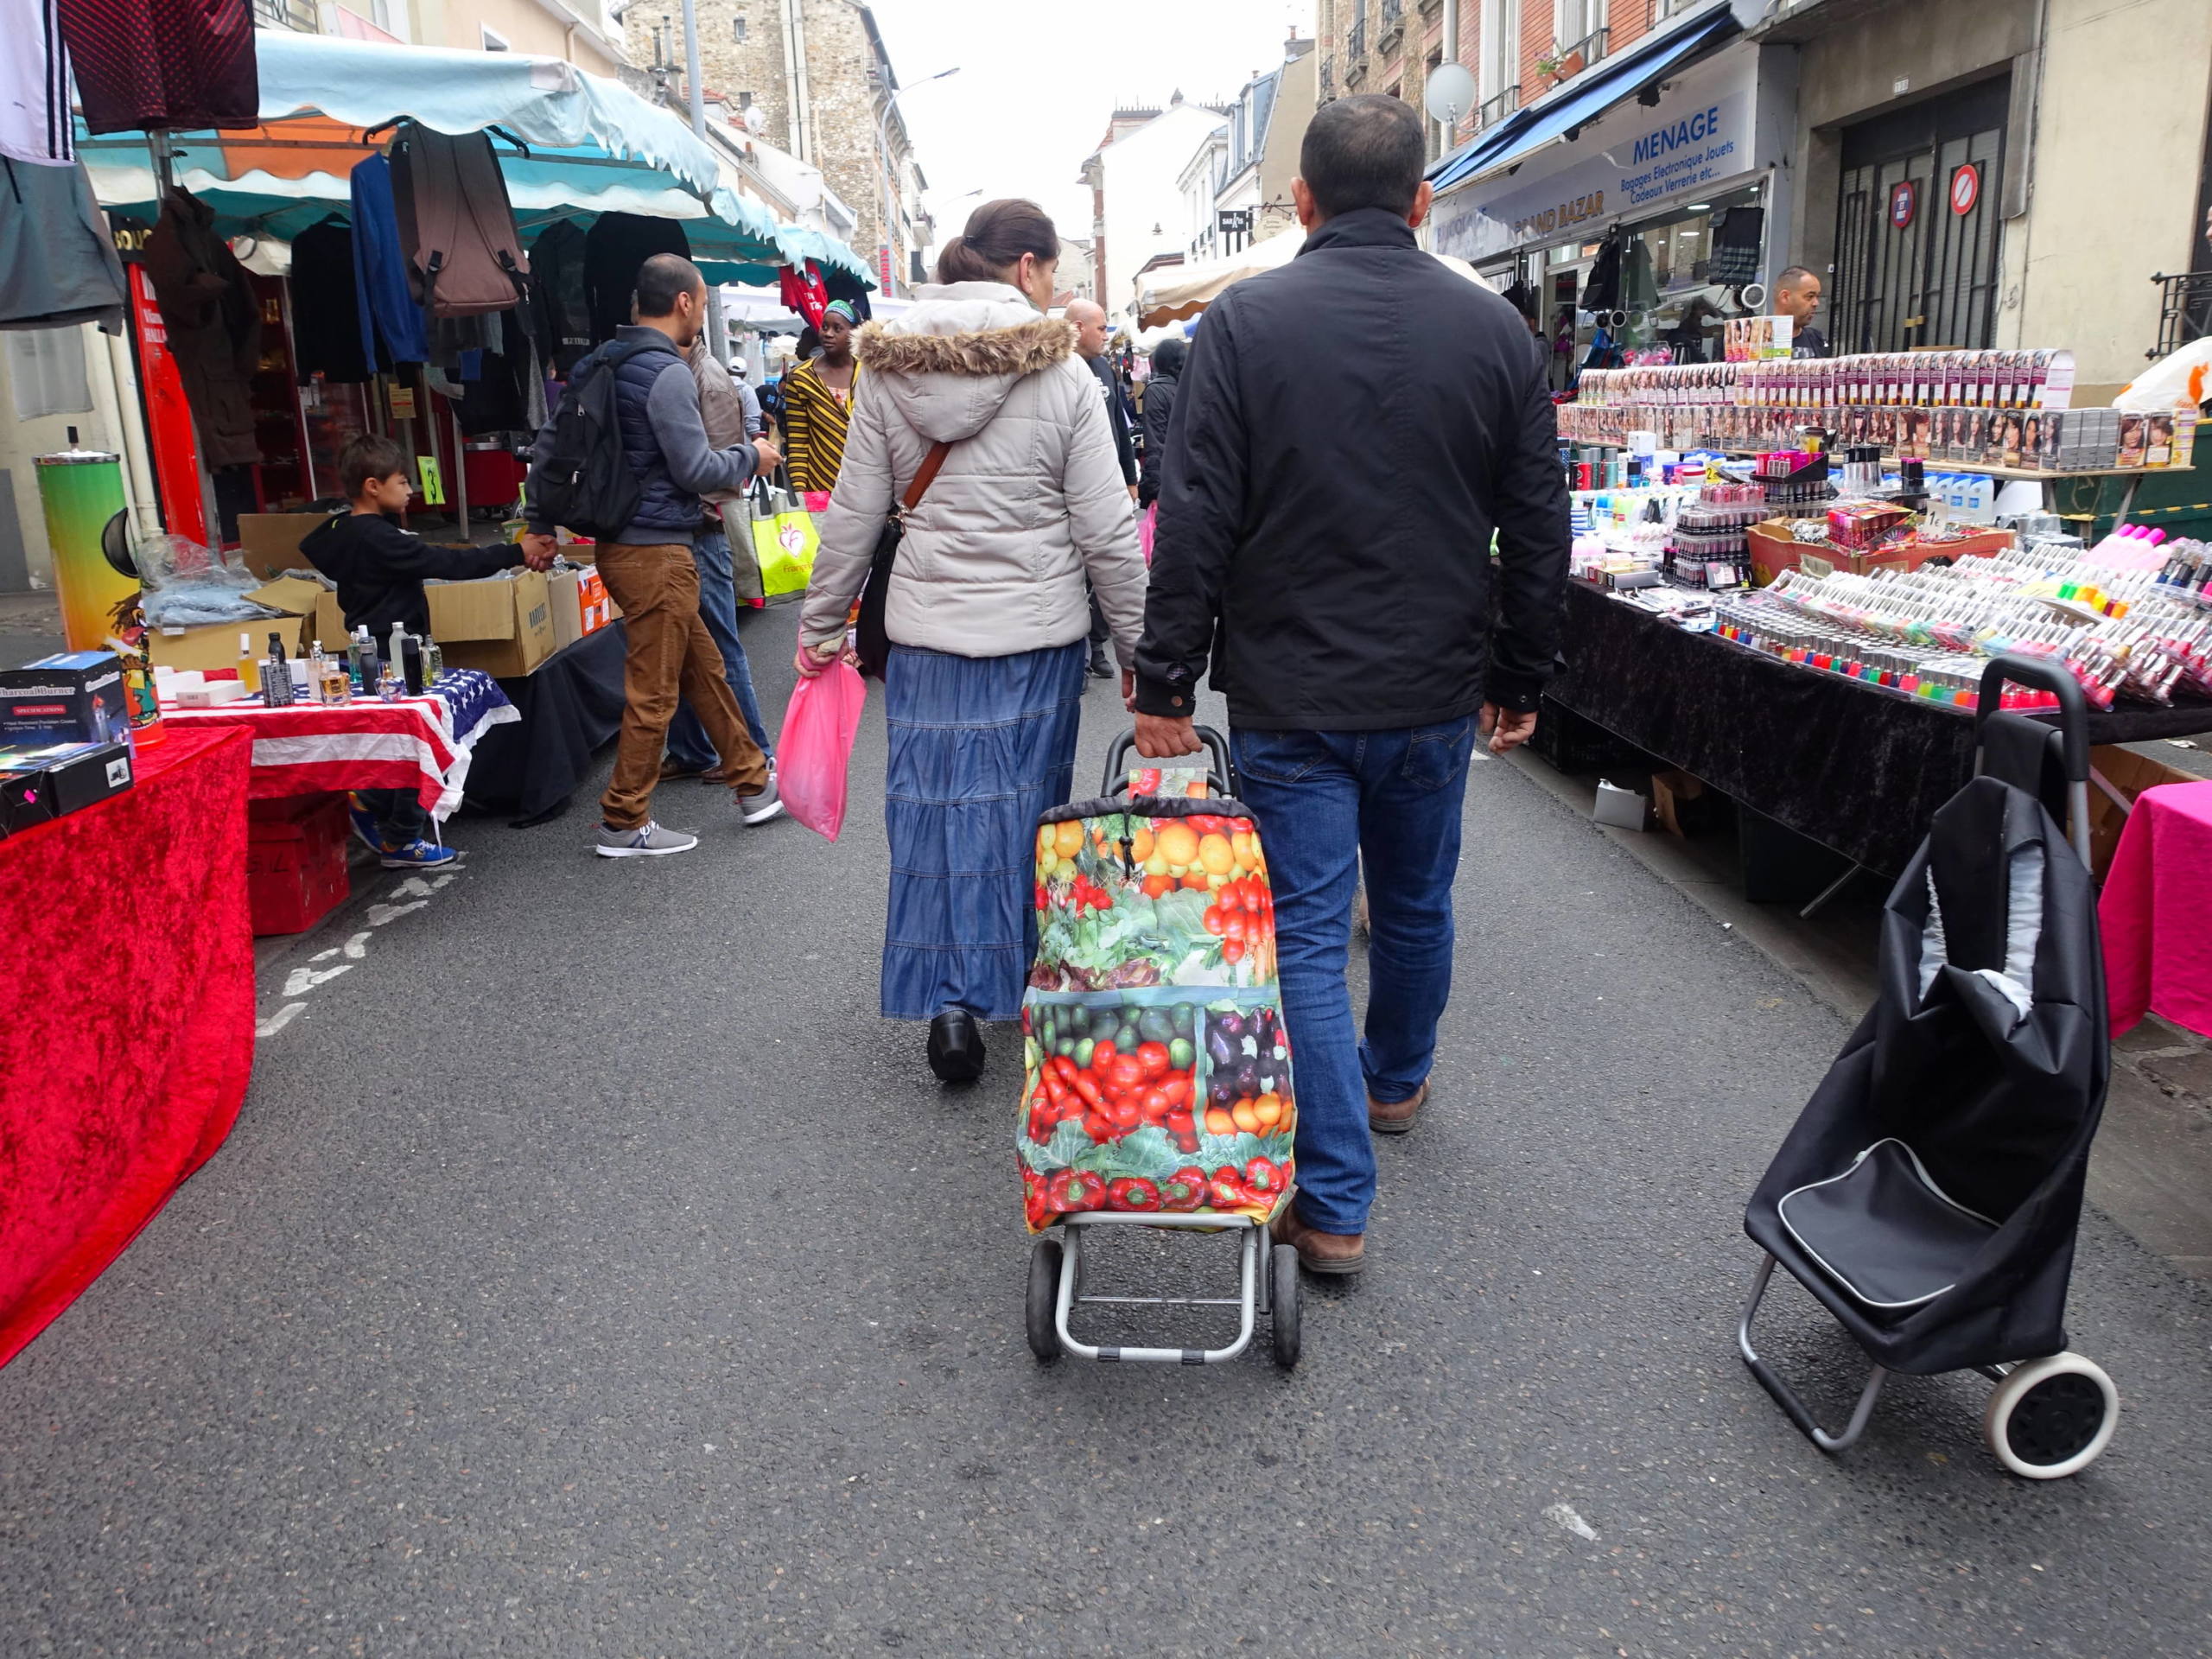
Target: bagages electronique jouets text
1928,1195
1157,1084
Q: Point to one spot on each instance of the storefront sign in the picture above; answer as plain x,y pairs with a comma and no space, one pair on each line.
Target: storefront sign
1904,202
1966,188
1632,159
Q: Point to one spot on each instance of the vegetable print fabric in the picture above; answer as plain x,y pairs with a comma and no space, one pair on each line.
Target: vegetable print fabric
1158,1074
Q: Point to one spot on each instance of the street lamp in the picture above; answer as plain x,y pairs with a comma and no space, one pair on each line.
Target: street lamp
883,153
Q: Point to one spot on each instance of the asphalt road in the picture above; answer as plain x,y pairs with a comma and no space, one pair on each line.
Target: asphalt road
593,1273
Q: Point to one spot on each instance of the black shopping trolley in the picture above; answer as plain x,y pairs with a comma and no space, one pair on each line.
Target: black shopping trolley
1928,1195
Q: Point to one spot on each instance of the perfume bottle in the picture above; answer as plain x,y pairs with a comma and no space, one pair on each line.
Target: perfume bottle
275,676
390,687
249,671
434,664
361,658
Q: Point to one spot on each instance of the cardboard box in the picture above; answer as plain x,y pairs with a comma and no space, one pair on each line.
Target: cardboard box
503,626
2130,773
270,542
215,645
76,696
581,607
70,776
23,797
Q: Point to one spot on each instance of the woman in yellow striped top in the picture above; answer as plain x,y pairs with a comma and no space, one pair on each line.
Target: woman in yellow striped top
819,403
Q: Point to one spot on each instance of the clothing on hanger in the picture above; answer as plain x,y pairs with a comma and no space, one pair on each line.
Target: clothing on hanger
803,292
34,123
58,264
562,320
391,323
144,64
1601,291
1736,242
844,285
616,246
213,323
327,330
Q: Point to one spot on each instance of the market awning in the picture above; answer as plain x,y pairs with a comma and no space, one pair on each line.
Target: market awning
1587,95
570,144
1197,287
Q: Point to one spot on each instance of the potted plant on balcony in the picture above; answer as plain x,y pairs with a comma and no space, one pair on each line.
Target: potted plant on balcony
1558,62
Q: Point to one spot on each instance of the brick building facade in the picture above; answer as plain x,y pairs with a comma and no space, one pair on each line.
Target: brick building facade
818,72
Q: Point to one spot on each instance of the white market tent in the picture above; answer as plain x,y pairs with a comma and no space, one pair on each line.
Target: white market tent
1177,292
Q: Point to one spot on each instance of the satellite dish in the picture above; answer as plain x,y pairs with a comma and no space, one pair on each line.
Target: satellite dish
1451,92
755,122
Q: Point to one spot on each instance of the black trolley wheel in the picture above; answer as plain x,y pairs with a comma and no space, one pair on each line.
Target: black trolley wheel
1287,1296
1041,1314
2051,1418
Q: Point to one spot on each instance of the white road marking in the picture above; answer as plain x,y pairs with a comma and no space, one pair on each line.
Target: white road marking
379,914
356,947
277,1022
304,980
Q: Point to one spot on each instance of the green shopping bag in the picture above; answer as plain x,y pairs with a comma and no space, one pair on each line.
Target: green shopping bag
783,540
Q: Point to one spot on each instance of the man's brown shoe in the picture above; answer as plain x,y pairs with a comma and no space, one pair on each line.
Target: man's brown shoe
1318,1252
1395,1117
671,769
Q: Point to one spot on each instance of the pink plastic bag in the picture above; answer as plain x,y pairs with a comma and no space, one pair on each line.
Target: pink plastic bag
816,500
1146,527
816,743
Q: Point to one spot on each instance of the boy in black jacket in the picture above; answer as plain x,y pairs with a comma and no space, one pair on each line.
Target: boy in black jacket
379,568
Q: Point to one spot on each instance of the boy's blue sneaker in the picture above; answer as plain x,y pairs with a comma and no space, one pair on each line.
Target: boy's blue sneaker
417,855
365,823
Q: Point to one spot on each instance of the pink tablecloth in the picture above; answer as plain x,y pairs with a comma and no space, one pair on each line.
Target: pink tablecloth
2156,911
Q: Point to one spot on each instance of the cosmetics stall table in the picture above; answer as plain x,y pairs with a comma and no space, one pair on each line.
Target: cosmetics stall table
2153,911
421,743
126,1015
1857,767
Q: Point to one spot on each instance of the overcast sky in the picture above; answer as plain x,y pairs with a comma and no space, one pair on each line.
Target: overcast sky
1036,83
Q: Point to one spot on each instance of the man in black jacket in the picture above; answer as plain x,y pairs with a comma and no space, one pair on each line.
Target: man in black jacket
1348,435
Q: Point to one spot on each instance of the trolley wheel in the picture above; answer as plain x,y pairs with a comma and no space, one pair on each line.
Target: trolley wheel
1287,1296
1044,1304
2051,1417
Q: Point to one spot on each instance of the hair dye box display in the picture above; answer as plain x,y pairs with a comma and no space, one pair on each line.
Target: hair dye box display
76,696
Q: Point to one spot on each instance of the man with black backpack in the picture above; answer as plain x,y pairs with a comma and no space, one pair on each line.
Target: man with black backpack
624,460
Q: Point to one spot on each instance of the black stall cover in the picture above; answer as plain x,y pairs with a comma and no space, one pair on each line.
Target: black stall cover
1986,1054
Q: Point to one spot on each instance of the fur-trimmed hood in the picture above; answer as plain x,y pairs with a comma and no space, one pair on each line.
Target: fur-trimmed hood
950,361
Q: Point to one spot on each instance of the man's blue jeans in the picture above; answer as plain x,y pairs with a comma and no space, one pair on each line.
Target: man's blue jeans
687,737
1326,802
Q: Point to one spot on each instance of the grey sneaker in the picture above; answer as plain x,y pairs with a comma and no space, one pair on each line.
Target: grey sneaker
648,840
768,803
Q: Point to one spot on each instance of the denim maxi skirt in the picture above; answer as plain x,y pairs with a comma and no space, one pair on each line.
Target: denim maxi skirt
979,746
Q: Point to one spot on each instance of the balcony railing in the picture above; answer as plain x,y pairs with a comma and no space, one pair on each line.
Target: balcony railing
299,15
1356,45
1328,78
1496,109
2185,311
1393,25
1573,59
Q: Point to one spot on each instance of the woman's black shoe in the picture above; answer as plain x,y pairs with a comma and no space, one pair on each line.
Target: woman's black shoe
956,1046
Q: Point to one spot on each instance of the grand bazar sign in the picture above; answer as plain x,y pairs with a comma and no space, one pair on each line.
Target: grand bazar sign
1701,135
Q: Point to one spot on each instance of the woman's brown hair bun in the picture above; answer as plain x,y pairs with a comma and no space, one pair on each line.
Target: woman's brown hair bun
997,235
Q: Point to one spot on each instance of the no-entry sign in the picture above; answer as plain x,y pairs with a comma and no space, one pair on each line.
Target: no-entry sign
1965,188
1904,202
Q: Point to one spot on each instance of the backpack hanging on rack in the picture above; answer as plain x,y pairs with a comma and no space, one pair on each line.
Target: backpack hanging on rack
464,257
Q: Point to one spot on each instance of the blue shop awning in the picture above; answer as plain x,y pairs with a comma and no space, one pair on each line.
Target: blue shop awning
1589,95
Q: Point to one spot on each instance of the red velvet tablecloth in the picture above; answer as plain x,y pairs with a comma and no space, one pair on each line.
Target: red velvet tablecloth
126,1016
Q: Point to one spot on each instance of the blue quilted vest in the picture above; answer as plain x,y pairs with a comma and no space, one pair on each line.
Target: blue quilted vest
665,506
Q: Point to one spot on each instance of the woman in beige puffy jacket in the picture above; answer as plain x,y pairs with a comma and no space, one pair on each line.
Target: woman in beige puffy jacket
985,608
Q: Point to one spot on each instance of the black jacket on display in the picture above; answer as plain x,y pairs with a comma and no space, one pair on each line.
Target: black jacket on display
1348,434
379,568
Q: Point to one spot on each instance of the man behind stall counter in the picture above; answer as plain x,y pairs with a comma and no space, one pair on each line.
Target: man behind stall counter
380,568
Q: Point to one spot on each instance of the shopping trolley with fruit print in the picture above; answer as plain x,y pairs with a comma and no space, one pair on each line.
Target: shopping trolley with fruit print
1157,1084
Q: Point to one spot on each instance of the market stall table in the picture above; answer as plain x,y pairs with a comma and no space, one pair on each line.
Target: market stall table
126,1015
2157,912
566,709
422,743
1856,768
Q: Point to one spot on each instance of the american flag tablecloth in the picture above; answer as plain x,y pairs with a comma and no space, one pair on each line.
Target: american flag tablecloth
418,743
